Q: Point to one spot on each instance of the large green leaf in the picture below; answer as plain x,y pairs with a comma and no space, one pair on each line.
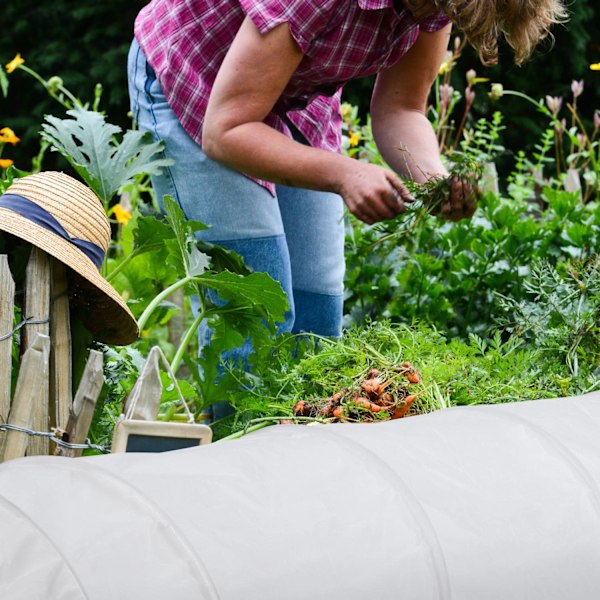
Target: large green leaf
257,291
150,234
90,145
194,261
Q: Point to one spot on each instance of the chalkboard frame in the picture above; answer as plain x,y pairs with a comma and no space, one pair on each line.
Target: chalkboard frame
158,436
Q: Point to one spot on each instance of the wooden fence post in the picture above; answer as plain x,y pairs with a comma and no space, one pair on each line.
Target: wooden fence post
144,399
36,305
80,418
7,306
32,385
61,386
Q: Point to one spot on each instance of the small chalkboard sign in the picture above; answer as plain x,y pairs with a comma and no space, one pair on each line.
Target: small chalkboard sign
132,435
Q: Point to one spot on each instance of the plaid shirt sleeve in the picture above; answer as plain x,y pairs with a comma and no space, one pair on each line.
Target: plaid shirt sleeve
306,18
434,23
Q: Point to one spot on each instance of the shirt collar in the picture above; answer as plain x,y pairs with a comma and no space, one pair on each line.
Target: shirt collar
375,4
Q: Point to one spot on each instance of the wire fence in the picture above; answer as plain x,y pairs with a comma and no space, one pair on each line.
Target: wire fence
55,437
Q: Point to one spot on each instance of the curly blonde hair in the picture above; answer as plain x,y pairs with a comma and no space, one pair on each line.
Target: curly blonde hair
523,23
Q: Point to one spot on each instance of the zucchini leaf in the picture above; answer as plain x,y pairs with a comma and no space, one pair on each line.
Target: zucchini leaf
91,146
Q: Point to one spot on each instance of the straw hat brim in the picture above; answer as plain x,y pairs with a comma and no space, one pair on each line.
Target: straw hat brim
102,310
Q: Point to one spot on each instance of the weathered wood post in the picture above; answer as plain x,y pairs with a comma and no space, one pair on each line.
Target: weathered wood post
80,418
144,399
7,304
31,388
36,306
61,386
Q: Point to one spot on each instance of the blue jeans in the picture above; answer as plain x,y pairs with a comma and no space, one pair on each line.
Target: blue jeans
296,237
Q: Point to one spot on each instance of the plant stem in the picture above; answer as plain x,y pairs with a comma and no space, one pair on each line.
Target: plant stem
73,100
591,154
134,253
185,341
262,422
539,106
239,434
461,127
160,297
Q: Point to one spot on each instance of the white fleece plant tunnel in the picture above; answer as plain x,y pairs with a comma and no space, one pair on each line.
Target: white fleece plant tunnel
477,503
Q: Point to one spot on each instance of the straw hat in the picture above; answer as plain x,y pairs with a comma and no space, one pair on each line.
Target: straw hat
30,208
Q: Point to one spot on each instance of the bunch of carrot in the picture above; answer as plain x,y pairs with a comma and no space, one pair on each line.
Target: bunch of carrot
378,396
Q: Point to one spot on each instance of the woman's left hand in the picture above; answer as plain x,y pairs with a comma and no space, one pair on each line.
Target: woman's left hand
461,201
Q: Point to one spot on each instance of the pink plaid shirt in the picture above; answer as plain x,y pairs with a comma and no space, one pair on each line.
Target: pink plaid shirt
185,42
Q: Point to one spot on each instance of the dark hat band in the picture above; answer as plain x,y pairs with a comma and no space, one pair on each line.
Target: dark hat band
40,216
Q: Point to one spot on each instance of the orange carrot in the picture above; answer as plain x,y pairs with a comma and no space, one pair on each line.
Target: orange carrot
413,377
401,410
299,407
361,401
387,398
371,386
326,410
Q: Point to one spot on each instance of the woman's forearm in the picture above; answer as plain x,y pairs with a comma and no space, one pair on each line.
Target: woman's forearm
262,152
371,193
408,144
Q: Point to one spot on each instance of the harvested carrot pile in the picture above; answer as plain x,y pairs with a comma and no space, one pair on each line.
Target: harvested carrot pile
381,395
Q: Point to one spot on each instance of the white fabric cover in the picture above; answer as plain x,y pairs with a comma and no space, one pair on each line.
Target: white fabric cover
476,503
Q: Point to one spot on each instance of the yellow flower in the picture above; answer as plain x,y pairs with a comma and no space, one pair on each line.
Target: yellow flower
595,67
353,138
123,216
5,163
15,63
448,63
7,136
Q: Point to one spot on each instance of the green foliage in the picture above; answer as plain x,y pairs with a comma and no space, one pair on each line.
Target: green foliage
121,369
191,261
449,273
482,142
559,313
152,257
453,372
238,307
89,144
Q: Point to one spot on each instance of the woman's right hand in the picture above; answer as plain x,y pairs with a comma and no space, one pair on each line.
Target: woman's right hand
373,193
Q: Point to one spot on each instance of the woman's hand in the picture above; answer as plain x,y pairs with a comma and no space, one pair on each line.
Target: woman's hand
373,193
460,202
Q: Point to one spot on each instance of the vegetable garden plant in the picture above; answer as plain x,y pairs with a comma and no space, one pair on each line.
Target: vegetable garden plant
504,307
